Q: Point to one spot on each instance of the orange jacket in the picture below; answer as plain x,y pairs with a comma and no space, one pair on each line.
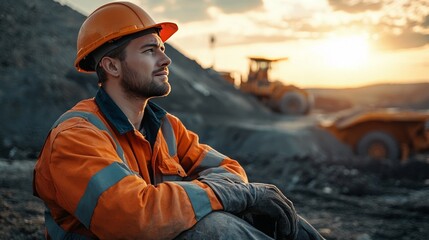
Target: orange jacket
101,178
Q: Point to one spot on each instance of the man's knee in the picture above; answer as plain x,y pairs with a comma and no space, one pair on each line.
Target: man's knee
216,223
222,225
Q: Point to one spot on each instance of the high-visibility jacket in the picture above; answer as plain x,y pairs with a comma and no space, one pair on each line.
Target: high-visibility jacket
101,178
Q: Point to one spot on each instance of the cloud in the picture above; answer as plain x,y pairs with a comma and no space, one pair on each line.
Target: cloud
234,40
352,6
190,10
406,25
425,23
397,24
403,40
228,6
181,10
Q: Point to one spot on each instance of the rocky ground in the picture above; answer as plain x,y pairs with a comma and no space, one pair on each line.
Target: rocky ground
343,198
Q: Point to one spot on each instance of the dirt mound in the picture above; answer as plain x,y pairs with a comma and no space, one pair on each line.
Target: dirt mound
35,56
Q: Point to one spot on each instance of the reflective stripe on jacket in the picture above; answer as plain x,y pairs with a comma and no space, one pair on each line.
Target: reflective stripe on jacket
101,178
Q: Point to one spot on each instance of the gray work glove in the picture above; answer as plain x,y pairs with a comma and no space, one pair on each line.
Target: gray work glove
256,198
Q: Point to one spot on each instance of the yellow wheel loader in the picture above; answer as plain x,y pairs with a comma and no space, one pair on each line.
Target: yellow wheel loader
281,98
286,99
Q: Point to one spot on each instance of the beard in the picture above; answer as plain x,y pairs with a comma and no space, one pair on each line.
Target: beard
142,86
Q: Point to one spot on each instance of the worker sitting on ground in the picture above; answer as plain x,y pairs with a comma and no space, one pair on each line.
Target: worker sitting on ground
117,166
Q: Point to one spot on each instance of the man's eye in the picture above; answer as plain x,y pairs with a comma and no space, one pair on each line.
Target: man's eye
149,50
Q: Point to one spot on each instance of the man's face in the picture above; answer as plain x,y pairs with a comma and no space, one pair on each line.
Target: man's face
145,68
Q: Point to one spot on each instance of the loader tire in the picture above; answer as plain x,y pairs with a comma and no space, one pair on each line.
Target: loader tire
293,103
379,145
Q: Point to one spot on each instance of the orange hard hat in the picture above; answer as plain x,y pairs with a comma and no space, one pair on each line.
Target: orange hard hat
109,23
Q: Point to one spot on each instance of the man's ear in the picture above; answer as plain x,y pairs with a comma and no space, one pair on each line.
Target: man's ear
111,66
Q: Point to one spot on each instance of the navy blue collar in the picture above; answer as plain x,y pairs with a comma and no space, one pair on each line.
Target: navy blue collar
151,121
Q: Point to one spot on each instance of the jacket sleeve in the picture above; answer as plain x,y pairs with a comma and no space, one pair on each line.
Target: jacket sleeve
200,159
93,185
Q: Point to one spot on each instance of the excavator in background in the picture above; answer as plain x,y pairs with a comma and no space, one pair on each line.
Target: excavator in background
386,134
281,98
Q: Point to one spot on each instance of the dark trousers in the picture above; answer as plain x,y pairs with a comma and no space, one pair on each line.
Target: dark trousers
224,226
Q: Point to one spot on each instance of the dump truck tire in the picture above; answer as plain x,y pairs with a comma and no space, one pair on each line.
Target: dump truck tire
293,103
379,145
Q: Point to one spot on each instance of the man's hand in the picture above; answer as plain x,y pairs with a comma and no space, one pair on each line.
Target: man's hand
255,198
269,201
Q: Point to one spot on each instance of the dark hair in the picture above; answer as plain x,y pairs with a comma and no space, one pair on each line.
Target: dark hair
118,53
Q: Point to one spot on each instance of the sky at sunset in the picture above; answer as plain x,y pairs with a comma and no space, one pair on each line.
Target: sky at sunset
329,43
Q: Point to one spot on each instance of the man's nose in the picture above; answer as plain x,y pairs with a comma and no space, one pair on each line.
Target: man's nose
165,60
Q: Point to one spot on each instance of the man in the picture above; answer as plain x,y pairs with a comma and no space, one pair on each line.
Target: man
120,167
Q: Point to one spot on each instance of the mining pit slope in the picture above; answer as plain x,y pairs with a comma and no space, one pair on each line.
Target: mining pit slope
342,196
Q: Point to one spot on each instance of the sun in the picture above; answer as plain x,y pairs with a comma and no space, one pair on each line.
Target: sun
345,52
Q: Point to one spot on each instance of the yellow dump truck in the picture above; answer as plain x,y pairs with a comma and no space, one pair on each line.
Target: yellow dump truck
285,99
383,134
